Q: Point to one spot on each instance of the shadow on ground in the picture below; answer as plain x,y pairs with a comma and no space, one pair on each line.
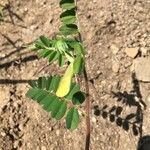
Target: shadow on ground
8,81
8,11
144,143
131,99
17,50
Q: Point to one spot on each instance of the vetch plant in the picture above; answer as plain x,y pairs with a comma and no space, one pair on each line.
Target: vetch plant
61,95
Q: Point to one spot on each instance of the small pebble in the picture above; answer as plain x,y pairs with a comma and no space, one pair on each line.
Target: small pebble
93,119
3,134
114,49
57,132
16,144
128,64
148,98
132,52
43,148
116,67
144,51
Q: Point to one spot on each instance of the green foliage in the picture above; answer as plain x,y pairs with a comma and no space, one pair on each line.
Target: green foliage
74,88
77,46
1,13
72,119
43,91
78,98
67,4
68,17
68,29
78,64
58,94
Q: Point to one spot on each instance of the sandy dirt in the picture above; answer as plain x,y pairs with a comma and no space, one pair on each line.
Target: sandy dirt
120,103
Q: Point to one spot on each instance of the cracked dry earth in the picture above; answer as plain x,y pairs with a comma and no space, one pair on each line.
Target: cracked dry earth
120,96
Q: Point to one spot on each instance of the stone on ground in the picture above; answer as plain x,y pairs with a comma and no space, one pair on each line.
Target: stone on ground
132,52
142,69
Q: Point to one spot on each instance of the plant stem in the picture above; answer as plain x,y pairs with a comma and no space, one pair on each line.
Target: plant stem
87,107
88,103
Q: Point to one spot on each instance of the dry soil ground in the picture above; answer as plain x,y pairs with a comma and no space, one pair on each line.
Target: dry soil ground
120,102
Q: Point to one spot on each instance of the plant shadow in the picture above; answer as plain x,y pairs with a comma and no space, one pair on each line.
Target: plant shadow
144,143
12,15
132,121
9,81
17,50
13,44
15,62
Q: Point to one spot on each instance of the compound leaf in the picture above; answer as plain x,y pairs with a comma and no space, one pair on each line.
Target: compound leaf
43,91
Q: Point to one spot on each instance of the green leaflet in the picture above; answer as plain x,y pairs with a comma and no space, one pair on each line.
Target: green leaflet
78,98
45,53
49,102
68,17
36,94
72,119
43,42
59,110
61,60
54,101
69,29
77,46
78,64
67,4
41,82
54,83
46,49
73,89
53,56
61,45
46,41
46,83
